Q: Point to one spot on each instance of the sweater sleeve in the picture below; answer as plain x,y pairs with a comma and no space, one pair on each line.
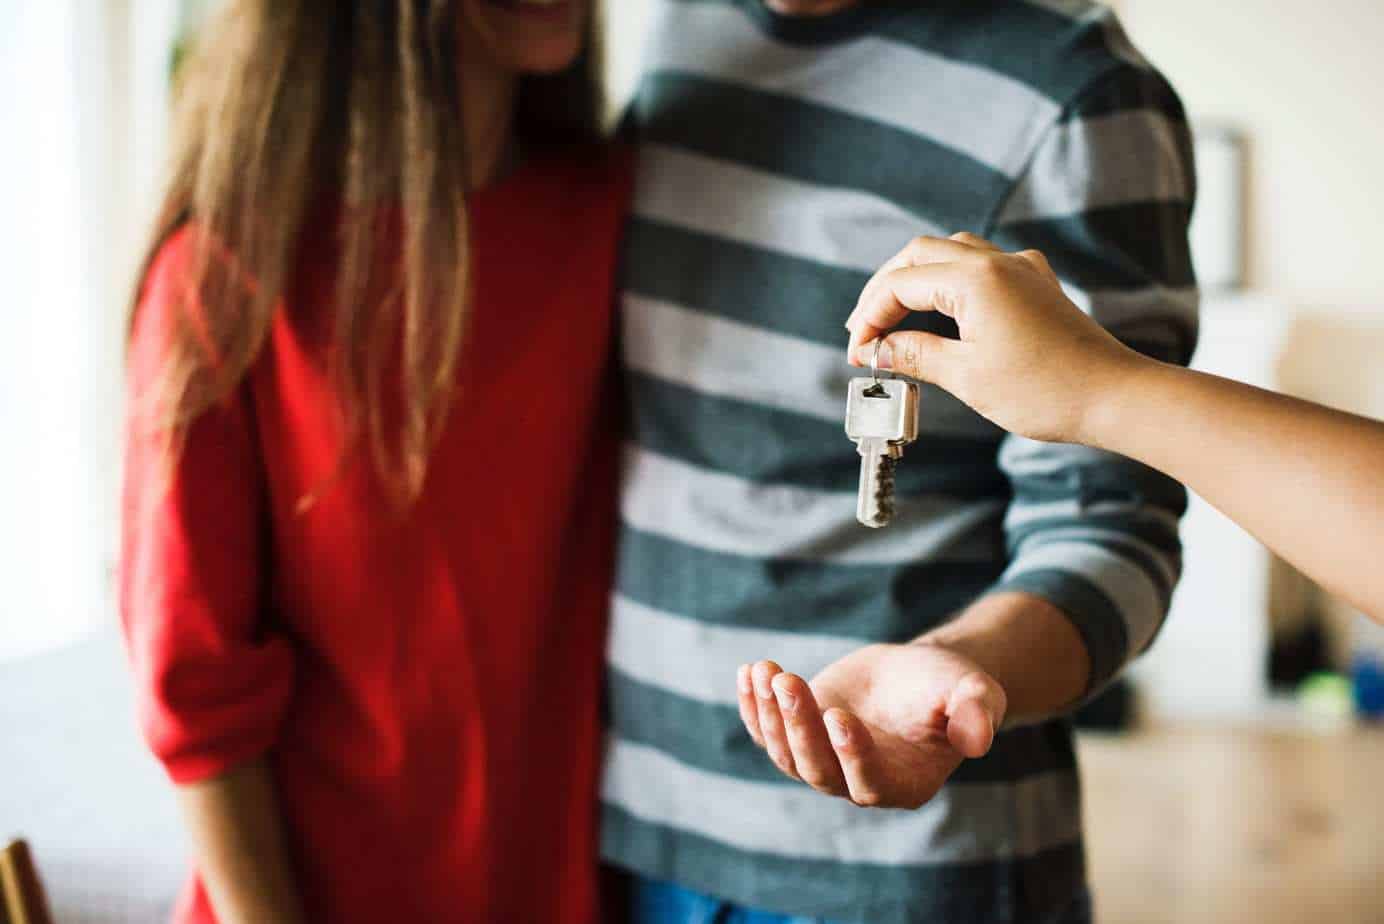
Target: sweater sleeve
1107,197
212,679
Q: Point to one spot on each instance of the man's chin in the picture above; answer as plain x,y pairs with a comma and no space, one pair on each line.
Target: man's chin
810,7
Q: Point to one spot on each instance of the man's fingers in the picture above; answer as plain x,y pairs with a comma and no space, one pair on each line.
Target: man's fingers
813,756
974,713
749,710
855,750
770,720
917,354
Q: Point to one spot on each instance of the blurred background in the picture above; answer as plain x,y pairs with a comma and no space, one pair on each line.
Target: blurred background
1236,777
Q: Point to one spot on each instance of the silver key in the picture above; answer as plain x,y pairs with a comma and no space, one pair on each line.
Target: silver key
882,418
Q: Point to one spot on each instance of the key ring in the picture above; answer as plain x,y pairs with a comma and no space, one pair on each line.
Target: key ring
874,360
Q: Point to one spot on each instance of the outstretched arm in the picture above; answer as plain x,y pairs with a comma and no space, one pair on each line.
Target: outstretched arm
1306,480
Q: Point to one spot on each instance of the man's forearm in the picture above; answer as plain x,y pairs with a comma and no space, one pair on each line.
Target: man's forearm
1028,645
239,839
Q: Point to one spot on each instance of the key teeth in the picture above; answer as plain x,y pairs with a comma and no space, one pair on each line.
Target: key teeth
884,490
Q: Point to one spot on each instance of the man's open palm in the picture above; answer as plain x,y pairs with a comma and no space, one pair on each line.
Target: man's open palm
883,726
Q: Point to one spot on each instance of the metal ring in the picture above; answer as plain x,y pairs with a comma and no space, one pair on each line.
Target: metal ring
874,360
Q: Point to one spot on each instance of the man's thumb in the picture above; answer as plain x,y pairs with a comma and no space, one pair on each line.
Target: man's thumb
974,714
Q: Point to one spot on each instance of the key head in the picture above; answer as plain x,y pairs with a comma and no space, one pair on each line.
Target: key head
886,410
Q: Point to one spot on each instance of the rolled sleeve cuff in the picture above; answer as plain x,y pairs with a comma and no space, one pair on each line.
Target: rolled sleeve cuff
1113,603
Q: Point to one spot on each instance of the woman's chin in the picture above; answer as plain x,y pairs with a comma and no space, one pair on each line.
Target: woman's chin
531,36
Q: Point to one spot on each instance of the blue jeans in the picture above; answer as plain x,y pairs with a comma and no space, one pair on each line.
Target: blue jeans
654,902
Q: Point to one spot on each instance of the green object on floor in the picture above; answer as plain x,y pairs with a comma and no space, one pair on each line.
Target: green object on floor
1326,694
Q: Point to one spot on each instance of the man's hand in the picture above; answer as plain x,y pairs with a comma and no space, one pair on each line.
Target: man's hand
884,726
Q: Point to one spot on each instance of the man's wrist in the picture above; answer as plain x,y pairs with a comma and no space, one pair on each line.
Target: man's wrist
1027,644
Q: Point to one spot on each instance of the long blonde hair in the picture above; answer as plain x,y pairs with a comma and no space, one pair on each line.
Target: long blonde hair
285,104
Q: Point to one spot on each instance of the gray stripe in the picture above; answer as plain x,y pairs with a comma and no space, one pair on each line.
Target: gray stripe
833,225
1021,514
712,510
1165,563
1127,585
727,359
1102,162
966,822
886,81
698,659
1021,457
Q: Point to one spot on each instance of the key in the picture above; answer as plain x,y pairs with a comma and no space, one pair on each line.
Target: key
882,418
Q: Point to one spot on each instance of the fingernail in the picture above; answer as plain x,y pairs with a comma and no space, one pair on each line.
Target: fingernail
742,679
761,686
787,701
837,731
886,355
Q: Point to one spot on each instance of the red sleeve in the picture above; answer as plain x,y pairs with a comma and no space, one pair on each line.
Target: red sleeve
212,681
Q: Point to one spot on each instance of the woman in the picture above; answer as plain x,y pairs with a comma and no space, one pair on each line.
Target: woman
367,520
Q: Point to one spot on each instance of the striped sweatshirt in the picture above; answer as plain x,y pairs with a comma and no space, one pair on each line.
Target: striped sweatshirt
781,161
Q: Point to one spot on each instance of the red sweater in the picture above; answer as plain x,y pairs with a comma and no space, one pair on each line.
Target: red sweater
424,684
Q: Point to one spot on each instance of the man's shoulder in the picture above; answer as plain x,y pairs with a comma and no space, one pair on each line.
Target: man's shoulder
1058,48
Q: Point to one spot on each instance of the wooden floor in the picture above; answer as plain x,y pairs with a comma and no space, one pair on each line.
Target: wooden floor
1201,824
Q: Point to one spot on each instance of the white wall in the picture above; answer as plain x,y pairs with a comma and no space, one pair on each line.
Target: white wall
1306,82
83,90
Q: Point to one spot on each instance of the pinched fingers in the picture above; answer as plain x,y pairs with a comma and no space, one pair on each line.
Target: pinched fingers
813,755
917,252
974,240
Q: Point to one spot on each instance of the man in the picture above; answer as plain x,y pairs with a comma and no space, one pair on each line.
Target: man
787,148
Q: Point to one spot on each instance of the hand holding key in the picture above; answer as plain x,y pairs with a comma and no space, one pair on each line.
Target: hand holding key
1028,359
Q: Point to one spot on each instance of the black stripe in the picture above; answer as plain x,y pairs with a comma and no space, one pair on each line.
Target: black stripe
1141,558
1121,247
750,285
1094,614
1127,88
818,144
1151,531
710,736
874,603
1056,55
1026,889
770,446
1177,348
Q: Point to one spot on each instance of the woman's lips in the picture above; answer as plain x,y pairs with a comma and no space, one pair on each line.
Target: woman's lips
537,8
